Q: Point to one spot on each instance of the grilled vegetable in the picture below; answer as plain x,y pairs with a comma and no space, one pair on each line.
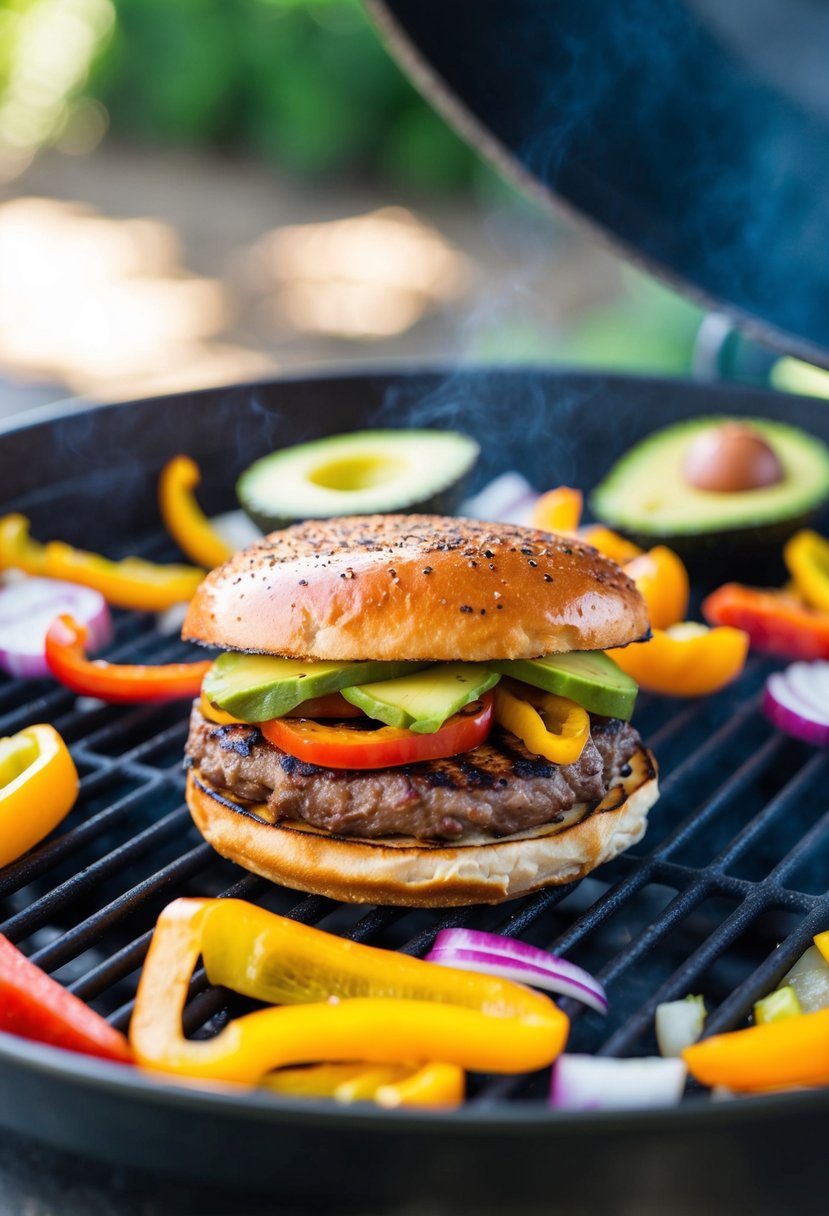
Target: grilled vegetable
776,622
686,660
38,788
807,557
790,1052
547,725
28,608
602,1083
662,581
797,700
184,518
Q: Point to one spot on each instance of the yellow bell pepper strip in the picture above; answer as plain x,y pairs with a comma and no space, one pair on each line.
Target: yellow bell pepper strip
129,583
550,726
183,517
388,1085
821,940
558,510
662,581
116,682
686,660
363,1003
777,1055
38,788
611,544
806,555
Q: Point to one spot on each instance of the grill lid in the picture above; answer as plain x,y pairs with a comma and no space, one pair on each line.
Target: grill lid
695,135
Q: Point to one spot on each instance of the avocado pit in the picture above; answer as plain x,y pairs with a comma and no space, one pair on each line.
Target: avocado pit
731,458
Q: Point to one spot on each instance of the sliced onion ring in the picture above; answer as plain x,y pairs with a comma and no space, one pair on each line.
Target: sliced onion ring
604,1083
27,609
796,700
473,950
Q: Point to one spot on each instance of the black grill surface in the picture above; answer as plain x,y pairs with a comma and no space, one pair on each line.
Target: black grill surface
720,898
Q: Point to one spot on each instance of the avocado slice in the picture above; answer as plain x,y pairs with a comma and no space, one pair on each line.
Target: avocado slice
588,677
718,534
257,687
422,702
358,474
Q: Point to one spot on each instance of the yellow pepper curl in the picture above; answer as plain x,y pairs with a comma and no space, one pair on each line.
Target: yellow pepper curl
183,517
38,788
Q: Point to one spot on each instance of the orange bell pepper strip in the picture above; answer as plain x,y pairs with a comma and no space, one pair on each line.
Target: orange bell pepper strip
558,510
116,682
362,1003
386,1084
183,517
776,622
662,581
38,788
611,544
806,555
129,583
686,660
777,1055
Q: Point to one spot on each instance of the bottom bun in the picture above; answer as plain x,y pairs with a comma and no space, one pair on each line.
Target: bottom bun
413,873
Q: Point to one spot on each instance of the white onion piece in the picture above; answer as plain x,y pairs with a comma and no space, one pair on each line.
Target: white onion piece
236,529
27,609
507,499
678,1025
785,705
600,1083
810,979
810,682
491,954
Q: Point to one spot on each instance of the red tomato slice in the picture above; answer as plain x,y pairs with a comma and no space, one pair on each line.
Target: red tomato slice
330,746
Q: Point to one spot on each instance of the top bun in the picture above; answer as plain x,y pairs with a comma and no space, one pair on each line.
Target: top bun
415,587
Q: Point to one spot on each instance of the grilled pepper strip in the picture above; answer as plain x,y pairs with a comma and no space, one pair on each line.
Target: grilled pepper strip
776,1055
687,660
38,788
387,1084
807,558
129,583
397,1008
549,726
662,581
35,1006
558,510
116,682
611,544
183,517
776,622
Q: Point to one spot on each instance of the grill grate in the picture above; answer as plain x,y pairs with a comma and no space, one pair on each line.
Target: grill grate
721,896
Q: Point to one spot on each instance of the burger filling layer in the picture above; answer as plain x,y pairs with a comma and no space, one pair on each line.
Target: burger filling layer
498,789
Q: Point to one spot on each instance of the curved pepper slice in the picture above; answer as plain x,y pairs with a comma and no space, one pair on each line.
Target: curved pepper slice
686,660
386,1084
364,1003
788,1052
116,682
183,517
775,621
38,788
611,544
662,581
129,583
550,726
558,510
806,555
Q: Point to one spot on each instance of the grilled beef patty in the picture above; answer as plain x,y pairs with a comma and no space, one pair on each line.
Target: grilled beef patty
497,789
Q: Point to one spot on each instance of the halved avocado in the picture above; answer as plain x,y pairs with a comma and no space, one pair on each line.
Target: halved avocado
719,534
358,474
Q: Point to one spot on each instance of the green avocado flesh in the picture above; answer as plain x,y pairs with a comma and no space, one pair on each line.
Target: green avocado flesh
357,474
422,702
588,677
645,493
257,687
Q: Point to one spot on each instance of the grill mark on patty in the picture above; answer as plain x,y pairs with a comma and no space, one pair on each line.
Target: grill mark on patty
497,789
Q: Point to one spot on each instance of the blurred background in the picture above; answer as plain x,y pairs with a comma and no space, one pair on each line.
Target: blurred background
194,192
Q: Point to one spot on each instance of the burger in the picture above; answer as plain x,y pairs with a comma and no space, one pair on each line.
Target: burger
417,710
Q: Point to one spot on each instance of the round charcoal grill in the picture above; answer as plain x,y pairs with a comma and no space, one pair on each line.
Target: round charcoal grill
721,896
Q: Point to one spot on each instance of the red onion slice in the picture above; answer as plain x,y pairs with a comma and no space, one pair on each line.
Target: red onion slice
797,703
602,1083
27,609
473,950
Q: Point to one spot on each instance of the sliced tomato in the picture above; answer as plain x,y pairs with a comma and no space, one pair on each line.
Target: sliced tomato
345,746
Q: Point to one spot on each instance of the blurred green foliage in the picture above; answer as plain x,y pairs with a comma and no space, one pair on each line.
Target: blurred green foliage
307,85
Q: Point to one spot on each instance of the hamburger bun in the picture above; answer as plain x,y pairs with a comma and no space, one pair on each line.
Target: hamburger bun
403,871
422,587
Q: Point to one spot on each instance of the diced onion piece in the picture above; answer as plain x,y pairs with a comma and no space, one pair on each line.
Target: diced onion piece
810,979
491,954
27,609
679,1024
795,700
601,1083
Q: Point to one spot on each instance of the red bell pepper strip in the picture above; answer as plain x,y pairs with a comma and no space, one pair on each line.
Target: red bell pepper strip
116,682
776,622
34,1006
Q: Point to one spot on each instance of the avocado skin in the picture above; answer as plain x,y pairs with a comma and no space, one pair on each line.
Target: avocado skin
445,502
